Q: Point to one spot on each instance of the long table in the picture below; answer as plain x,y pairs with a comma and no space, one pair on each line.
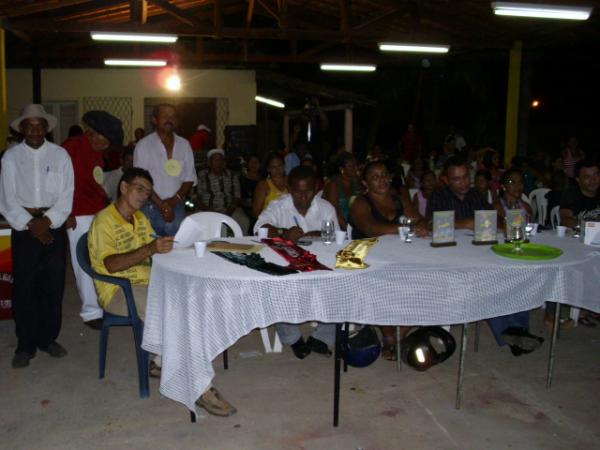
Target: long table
199,307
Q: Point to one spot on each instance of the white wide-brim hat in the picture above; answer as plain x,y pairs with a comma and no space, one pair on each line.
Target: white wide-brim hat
203,127
215,151
34,110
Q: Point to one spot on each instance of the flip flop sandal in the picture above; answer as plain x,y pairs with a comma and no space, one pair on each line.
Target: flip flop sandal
586,322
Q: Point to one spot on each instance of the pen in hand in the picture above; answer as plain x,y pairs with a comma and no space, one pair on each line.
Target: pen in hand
156,236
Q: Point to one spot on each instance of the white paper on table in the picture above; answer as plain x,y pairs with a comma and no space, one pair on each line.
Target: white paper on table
592,233
189,232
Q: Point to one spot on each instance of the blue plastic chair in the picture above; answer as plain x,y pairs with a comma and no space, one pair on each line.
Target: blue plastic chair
110,320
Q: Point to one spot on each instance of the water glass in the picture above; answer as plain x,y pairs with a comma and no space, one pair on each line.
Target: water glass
327,232
410,223
528,229
577,231
517,239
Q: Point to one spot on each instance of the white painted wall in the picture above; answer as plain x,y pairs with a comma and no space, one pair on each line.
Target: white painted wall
238,86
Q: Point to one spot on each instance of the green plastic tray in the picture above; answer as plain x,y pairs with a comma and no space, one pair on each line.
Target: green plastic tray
532,252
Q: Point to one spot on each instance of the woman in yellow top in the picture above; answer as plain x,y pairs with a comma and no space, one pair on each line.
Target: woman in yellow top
272,187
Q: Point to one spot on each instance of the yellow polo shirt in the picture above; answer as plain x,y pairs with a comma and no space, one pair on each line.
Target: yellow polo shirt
110,234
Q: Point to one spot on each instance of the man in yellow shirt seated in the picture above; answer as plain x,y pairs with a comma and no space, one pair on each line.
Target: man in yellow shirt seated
120,243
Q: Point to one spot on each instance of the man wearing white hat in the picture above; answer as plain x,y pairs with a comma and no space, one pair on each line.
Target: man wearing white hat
36,194
169,159
219,190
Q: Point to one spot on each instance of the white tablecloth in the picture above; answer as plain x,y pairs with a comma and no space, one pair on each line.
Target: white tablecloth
198,307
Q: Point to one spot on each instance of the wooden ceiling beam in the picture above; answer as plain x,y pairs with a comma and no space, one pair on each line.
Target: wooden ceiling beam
138,11
218,18
180,14
268,9
283,13
249,13
41,7
376,19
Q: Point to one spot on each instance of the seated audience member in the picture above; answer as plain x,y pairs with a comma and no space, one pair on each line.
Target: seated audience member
319,183
219,190
428,183
272,187
557,181
120,243
491,162
457,195
294,215
377,212
512,329
512,194
581,203
529,180
343,187
251,176
112,178
415,172
483,183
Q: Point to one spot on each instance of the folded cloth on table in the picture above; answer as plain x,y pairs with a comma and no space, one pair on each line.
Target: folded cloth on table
353,255
256,262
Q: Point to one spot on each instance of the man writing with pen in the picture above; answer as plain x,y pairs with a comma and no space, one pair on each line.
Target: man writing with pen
291,217
121,241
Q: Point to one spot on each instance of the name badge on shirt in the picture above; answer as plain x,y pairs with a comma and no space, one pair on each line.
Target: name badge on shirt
173,167
98,174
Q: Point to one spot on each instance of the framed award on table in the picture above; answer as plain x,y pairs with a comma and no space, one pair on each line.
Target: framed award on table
443,229
485,230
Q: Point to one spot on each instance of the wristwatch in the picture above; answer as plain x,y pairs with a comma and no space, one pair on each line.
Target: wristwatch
279,232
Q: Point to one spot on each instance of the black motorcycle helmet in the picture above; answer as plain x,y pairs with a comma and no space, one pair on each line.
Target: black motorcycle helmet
362,347
426,347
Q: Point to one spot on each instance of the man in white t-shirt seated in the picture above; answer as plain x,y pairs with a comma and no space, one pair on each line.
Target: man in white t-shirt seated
292,216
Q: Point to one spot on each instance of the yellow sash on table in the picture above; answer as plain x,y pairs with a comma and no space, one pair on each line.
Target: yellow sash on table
354,254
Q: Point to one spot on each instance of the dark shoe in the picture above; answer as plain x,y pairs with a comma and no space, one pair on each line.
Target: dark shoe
55,350
95,324
214,403
301,350
586,322
21,359
522,339
518,351
318,346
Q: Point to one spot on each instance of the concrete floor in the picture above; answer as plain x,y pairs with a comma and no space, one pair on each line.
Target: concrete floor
284,403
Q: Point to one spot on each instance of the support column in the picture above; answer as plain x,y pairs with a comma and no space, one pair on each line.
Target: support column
3,102
348,130
286,131
512,102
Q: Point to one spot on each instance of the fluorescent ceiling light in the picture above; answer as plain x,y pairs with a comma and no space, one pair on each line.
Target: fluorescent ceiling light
416,48
136,62
541,11
134,37
349,67
269,101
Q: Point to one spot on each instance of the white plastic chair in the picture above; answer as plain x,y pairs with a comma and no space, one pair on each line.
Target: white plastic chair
405,168
525,199
412,192
212,225
555,217
539,204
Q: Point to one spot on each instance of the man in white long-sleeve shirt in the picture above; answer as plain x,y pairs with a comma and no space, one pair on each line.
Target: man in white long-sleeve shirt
292,216
36,196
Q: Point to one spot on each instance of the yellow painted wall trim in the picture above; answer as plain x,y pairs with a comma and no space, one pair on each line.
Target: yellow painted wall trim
512,102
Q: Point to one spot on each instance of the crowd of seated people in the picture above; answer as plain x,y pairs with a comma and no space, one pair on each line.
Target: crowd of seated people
287,194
